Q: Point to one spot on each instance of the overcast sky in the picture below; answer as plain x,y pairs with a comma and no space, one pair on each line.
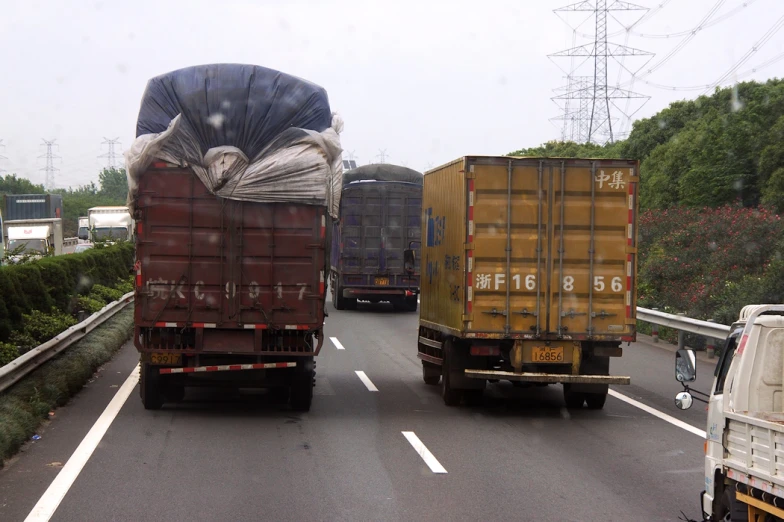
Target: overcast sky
427,81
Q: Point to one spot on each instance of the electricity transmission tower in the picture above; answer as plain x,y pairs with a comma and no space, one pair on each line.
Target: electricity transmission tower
593,120
2,146
49,168
382,156
111,155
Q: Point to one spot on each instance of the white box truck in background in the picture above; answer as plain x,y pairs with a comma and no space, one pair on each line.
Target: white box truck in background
33,238
108,223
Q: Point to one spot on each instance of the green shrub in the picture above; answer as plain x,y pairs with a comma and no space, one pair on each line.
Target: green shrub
42,326
58,282
86,303
8,352
105,294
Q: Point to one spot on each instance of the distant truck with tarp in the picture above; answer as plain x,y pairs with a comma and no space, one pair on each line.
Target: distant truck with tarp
380,217
234,179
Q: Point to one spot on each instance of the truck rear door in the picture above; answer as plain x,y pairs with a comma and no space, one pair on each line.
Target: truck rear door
379,221
553,246
227,264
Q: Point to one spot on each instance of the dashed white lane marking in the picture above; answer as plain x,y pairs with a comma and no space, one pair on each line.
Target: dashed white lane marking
420,448
366,381
54,494
336,343
656,413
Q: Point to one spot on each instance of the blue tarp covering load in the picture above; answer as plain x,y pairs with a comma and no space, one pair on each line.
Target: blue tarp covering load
248,132
245,106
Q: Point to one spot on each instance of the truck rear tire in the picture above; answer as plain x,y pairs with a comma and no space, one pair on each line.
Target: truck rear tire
411,304
431,373
595,401
574,400
302,386
731,508
450,395
150,387
338,301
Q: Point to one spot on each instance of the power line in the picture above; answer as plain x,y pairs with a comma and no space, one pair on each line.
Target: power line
761,42
49,168
111,156
682,43
718,20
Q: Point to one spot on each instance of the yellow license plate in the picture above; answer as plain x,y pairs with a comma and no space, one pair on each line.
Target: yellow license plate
547,354
168,359
382,281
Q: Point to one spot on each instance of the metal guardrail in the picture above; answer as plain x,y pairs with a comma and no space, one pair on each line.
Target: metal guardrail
684,324
24,364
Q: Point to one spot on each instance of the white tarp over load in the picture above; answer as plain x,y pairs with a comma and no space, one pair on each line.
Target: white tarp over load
248,133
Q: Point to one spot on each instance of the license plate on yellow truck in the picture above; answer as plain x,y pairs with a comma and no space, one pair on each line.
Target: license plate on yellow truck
382,281
547,354
167,359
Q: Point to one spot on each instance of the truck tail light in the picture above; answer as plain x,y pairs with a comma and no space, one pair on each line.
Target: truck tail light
705,446
480,350
742,345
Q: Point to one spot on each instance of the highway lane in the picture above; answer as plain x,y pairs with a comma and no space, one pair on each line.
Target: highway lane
227,457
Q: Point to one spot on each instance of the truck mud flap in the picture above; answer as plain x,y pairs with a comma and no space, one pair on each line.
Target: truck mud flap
549,378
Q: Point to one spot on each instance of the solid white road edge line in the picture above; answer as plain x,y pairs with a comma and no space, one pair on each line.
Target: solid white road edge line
336,343
420,448
656,413
59,487
366,381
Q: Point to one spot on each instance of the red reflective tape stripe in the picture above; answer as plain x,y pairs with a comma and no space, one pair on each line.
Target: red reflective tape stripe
470,307
235,367
159,164
323,227
321,288
139,228
198,325
138,280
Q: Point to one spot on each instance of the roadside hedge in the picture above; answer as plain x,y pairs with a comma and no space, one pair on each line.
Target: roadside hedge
54,285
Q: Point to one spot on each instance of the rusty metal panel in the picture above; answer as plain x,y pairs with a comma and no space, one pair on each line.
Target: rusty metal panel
205,259
552,244
443,264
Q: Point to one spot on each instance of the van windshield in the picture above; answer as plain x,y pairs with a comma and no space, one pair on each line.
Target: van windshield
30,245
111,232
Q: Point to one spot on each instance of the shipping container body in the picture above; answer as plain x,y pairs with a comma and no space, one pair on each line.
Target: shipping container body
531,260
220,281
378,221
33,206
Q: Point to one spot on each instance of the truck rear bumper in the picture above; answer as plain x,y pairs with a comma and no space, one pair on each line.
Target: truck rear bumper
378,292
549,378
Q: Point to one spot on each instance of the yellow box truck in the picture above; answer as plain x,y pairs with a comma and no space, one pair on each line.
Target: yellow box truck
528,274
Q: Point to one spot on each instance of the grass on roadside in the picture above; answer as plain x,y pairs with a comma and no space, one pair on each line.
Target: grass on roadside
24,406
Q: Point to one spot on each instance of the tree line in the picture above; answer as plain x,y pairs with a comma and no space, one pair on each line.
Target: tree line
722,149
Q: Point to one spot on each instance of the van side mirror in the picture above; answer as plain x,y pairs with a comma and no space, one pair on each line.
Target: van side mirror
409,260
685,365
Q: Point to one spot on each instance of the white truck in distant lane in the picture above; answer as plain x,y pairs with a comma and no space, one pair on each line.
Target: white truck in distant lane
83,232
108,223
34,238
744,450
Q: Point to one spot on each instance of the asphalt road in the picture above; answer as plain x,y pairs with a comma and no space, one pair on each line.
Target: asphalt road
519,456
